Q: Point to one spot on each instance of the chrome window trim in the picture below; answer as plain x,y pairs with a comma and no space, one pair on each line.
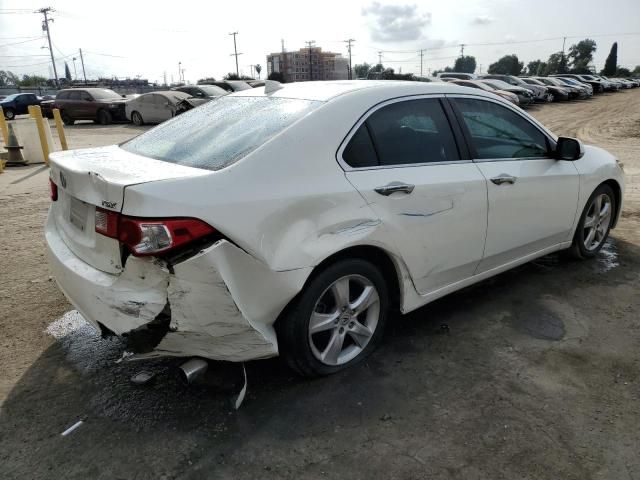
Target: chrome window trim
343,145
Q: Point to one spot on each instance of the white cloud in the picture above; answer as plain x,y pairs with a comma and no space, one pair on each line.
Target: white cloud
482,20
396,23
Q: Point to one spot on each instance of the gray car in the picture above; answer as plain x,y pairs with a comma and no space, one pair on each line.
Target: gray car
154,107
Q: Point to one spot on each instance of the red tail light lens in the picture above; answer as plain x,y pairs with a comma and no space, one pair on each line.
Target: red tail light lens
53,190
147,236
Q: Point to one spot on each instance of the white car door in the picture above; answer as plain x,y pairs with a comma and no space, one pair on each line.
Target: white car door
404,159
533,198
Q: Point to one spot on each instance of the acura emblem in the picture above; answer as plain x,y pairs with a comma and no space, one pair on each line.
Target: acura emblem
63,180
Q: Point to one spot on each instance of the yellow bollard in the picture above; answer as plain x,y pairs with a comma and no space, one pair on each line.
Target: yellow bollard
3,127
60,128
35,112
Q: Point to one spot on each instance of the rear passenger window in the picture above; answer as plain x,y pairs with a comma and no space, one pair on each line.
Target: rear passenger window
412,131
360,152
74,95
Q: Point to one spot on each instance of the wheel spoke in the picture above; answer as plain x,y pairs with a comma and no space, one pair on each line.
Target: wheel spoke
589,240
322,321
367,298
598,205
360,334
606,209
340,290
334,347
590,221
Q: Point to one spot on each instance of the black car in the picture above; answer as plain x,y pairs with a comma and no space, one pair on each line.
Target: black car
18,104
596,84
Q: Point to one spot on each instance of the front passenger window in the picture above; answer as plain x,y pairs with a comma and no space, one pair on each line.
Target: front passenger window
498,132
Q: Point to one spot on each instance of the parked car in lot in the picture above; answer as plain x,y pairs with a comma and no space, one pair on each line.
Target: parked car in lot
572,82
18,104
525,96
511,97
557,90
236,232
154,107
596,83
101,105
457,75
540,92
198,95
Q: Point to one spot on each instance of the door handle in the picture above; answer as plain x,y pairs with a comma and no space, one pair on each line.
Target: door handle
503,178
395,187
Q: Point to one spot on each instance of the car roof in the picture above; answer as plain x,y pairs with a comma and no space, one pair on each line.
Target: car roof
326,91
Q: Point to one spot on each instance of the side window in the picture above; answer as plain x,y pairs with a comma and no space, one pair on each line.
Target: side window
497,132
74,95
412,131
62,96
359,152
85,96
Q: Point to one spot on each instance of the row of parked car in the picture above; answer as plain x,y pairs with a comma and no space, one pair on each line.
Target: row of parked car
105,106
524,91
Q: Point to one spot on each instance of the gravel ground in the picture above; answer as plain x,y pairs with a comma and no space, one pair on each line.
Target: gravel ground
532,374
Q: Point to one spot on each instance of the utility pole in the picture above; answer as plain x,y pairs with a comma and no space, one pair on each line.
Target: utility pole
564,40
421,57
462,45
310,45
348,42
380,57
179,72
235,51
45,27
75,73
84,74
165,78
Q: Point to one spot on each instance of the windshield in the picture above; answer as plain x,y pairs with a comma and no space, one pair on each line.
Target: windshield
237,86
212,90
219,132
9,98
500,85
104,94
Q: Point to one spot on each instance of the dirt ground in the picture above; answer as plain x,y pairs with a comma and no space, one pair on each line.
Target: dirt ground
534,374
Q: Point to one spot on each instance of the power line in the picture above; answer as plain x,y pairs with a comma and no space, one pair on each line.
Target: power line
33,39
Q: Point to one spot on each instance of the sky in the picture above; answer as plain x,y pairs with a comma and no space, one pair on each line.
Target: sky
148,39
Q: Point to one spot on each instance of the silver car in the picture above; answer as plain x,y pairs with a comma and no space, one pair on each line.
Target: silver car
154,107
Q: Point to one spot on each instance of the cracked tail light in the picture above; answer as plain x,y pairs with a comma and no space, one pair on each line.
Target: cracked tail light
150,236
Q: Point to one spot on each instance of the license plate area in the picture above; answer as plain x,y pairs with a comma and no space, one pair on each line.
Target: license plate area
78,212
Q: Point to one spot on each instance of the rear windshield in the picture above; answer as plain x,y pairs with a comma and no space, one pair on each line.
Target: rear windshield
219,132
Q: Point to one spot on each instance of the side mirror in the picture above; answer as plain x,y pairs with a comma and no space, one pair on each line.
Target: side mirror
569,149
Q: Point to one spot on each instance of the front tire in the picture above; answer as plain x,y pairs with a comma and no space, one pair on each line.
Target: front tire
9,114
336,321
136,118
104,117
595,223
66,119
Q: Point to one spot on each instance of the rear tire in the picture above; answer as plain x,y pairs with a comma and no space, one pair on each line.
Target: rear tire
136,118
66,119
336,321
104,117
595,223
9,114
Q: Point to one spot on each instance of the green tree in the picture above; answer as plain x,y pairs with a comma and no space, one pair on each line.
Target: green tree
581,54
67,72
537,67
611,63
557,63
231,76
277,76
465,64
206,80
258,68
32,81
8,78
507,65
361,69
377,68
636,71
622,72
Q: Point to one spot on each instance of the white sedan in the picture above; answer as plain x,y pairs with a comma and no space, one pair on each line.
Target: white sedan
153,107
290,219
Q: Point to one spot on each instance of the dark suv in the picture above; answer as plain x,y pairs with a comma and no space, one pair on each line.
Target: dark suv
18,104
98,104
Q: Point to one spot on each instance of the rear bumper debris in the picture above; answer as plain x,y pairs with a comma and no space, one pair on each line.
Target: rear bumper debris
221,303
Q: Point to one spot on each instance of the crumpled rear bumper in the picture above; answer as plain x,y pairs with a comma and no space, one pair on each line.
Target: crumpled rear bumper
222,301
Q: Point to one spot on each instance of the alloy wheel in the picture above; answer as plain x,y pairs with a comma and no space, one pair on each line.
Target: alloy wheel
596,222
344,320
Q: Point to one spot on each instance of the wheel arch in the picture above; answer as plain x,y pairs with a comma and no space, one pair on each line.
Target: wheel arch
617,191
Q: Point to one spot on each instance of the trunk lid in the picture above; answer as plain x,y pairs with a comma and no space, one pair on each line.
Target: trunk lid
97,177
